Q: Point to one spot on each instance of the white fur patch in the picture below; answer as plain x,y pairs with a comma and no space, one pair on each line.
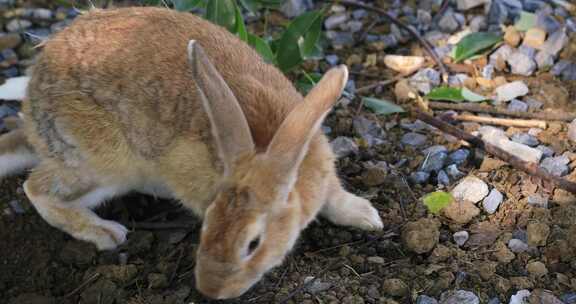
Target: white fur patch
96,197
13,163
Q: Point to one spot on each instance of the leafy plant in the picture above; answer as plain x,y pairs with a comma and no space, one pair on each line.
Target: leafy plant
382,107
436,201
455,95
475,43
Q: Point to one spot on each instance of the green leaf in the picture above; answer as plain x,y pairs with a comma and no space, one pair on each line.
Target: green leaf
307,81
222,12
240,28
298,39
382,107
475,43
309,47
185,5
262,47
436,201
526,21
255,5
454,94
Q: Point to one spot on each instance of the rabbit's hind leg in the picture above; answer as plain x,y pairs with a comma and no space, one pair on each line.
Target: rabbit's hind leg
16,155
64,198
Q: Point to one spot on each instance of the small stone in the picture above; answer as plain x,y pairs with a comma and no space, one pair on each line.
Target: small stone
453,172
560,66
434,162
533,104
537,233
546,151
422,299
557,166
492,201
461,237
569,298
521,297
419,177
512,36
413,139
470,189
404,64
555,43
525,139
537,201
443,178
498,138
537,269
395,287
494,300
18,25
535,37
335,20
103,291
425,79
459,297
375,260
544,60
293,8
359,14
477,23
332,59
375,173
503,254
461,212
369,130
78,253
157,281
542,296
511,91
43,13
500,55
464,5
9,41
344,146
421,236
459,156
316,286
517,106
517,246
340,40
521,64
572,131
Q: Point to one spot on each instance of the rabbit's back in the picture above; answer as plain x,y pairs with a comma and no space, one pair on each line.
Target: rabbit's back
119,80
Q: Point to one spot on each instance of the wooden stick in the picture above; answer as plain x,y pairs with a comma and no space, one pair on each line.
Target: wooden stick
528,167
425,43
521,123
479,108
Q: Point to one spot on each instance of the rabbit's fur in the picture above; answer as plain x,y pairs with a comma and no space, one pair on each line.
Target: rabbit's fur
161,102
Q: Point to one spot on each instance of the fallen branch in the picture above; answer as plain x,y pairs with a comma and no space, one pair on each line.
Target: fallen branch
528,167
521,123
90,280
425,43
479,108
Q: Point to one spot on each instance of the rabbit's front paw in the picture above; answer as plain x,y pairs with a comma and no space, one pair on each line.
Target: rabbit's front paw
353,211
106,235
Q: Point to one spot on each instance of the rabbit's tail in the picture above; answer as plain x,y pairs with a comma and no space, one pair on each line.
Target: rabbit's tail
16,154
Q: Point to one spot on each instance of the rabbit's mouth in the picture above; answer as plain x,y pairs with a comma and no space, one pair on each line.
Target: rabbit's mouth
220,288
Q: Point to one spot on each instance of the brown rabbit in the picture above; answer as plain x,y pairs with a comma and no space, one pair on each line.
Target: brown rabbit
165,103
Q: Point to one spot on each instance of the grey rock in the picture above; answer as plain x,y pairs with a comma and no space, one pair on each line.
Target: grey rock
434,162
470,189
332,59
525,139
498,138
516,105
488,71
494,300
478,23
511,90
354,26
547,22
344,146
293,8
527,50
569,298
459,297
419,177
443,178
546,151
435,149
569,73
521,297
459,156
457,80
498,13
538,200
492,201
359,14
572,131
18,25
555,42
413,139
468,4
517,246
422,299
521,64
340,39
453,172
544,60
42,13
425,79
502,52
534,104
6,111
336,20
16,207
369,130
461,237
560,66
448,23
534,5
557,166
520,234
316,286
571,24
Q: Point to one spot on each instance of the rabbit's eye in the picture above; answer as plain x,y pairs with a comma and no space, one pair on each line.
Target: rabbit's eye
253,245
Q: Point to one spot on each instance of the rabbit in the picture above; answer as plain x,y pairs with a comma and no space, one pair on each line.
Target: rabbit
165,103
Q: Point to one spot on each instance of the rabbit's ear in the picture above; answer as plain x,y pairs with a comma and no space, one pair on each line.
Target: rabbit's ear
290,143
229,126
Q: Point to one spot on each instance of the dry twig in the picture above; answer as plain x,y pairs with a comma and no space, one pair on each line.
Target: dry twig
479,108
520,123
90,280
528,167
